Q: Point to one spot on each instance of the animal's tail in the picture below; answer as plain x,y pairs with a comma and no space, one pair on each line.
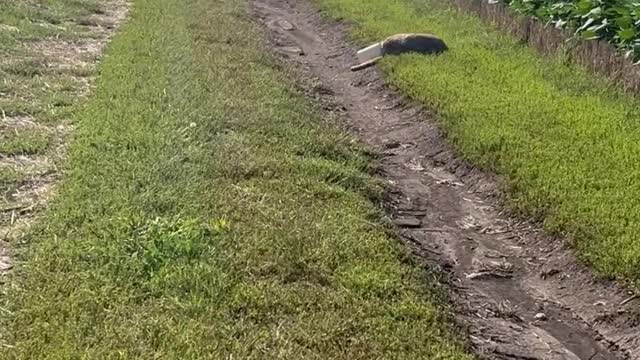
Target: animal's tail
366,64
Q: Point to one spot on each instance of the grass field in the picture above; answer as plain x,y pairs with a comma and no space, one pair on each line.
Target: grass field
208,211
32,85
42,76
566,144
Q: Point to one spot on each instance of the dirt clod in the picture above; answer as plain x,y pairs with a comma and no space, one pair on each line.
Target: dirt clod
541,317
285,25
547,273
408,222
292,50
486,275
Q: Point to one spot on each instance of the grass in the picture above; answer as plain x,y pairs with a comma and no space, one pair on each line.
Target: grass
24,142
566,144
38,19
208,211
28,80
42,86
8,175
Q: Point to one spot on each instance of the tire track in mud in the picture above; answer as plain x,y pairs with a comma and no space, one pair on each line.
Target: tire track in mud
519,293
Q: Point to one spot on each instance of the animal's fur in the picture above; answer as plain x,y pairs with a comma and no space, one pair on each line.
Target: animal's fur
420,43
405,43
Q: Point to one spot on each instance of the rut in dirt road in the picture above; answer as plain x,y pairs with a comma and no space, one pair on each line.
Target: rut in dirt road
520,294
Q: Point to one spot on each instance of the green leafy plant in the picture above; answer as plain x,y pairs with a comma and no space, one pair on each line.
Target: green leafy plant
615,21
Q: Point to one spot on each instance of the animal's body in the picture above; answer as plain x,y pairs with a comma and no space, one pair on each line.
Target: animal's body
421,43
400,44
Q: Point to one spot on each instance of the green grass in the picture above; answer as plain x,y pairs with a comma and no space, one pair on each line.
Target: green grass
8,175
24,142
38,19
44,87
208,211
28,80
566,144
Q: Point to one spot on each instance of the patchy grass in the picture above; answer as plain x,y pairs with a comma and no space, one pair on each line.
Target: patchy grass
24,141
25,68
8,175
209,212
565,142
28,79
49,99
35,20
46,57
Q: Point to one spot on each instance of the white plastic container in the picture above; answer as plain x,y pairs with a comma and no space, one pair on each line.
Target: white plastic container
369,53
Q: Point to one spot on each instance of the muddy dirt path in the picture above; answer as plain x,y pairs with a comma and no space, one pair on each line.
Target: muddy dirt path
518,293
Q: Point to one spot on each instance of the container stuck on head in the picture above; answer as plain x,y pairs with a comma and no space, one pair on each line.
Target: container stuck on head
399,44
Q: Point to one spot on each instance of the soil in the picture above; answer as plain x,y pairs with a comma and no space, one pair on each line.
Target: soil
517,292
